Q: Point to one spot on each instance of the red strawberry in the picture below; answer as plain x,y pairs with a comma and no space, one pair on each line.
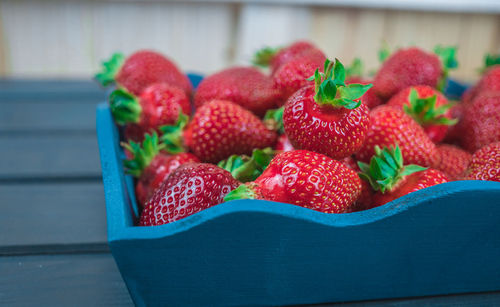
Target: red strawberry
364,200
275,57
159,104
245,86
391,179
490,81
292,75
305,179
390,126
327,117
428,107
220,129
283,144
413,66
151,165
452,161
192,187
480,123
485,164
142,69
133,132
454,132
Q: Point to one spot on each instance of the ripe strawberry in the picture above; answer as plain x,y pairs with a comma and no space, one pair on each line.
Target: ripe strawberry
485,164
245,86
452,161
220,129
140,70
305,179
480,123
413,66
391,179
454,132
428,107
292,75
192,187
390,126
151,166
490,81
275,57
133,132
283,144
327,117
159,104
364,200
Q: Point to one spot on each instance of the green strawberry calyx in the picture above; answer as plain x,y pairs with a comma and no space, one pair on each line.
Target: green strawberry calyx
274,119
490,60
355,69
264,56
244,191
172,134
142,154
331,89
386,169
448,60
384,52
245,168
109,69
124,106
425,112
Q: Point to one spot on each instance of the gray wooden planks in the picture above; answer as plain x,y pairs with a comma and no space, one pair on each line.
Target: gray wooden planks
25,156
53,217
62,280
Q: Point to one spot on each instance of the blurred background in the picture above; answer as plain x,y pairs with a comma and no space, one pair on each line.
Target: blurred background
54,39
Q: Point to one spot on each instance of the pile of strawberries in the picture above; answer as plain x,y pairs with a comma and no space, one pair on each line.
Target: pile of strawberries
305,131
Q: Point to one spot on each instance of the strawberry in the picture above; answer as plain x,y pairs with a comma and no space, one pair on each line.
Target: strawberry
292,75
390,126
452,161
327,117
428,107
354,75
364,200
245,86
192,187
274,119
485,164
159,104
480,123
283,144
220,129
276,57
307,179
133,132
413,66
490,81
454,133
140,70
391,179
151,165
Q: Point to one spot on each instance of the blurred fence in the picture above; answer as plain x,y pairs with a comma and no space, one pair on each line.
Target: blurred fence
50,39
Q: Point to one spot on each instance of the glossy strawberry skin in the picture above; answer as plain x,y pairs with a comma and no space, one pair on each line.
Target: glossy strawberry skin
286,54
452,161
435,132
411,183
485,164
335,132
309,180
407,67
161,104
480,124
291,76
221,128
245,86
283,144
192,187
390,126
147,67
157,171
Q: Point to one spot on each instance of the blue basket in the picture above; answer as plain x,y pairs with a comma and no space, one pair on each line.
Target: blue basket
441,240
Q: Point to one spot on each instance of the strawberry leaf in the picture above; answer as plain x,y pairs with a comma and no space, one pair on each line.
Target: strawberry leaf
124,106
109,69
172,134
339,73
142,155
354,91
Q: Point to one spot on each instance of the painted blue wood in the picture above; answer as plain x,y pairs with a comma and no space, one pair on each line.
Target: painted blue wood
441,240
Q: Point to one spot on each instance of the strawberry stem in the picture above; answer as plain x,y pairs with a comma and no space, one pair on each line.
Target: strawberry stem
331,89
172,134
142,155
425,112
490,60
125,107
448,60
386,169
264,56
245,168
109,69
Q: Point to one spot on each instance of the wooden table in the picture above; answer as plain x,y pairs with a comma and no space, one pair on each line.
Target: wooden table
53,246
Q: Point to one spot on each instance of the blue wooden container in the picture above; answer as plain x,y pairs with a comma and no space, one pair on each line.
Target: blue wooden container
441,240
